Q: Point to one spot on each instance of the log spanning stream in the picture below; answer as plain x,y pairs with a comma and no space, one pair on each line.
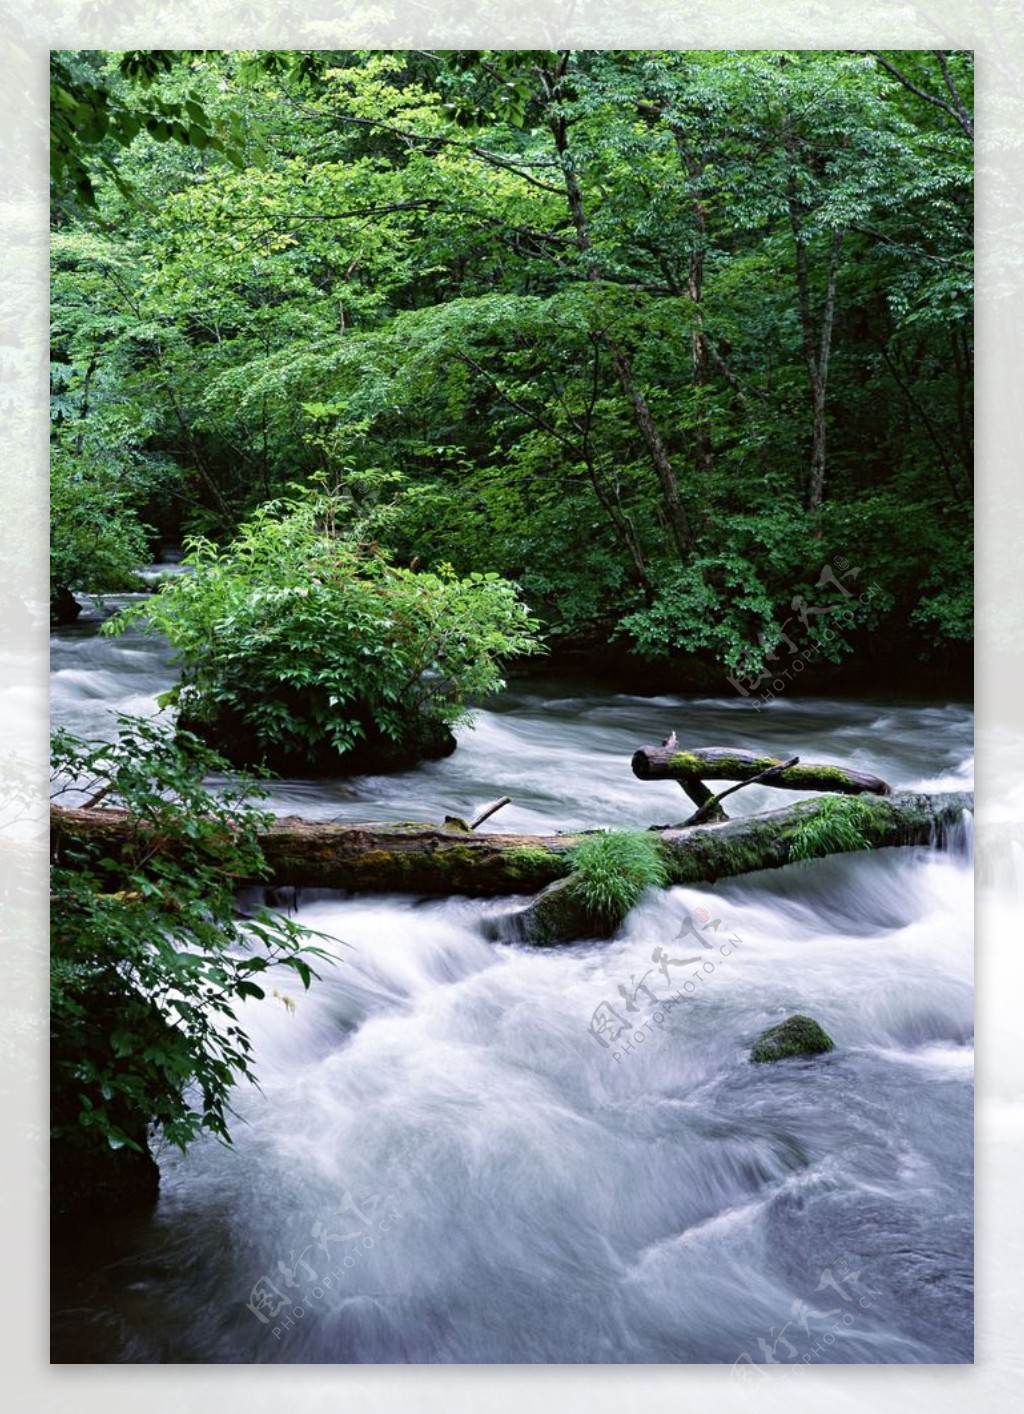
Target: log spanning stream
446,1164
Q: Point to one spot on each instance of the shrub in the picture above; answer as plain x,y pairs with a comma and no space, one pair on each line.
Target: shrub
715,604
300,638
610,872
149,957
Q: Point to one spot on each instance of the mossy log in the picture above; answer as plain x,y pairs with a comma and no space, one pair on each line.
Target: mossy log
424,859
716,763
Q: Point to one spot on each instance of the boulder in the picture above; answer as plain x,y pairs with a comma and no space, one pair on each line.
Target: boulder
556,915
796,1036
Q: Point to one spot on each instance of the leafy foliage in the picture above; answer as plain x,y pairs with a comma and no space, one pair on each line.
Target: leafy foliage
610,872
94,112
308,636
717,603
551,308
97,541
150,960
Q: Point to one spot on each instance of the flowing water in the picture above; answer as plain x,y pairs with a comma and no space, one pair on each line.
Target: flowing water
446,1163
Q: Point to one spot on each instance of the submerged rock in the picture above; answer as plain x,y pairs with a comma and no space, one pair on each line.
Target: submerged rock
796,1036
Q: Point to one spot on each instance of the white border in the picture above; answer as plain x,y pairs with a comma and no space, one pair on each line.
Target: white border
996,31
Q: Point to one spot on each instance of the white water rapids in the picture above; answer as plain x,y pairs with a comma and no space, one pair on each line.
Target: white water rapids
445,1153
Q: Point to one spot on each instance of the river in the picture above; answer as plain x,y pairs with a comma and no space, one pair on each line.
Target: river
445,1163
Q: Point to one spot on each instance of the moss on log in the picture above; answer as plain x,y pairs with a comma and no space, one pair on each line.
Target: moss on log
715,763
708,852
422,858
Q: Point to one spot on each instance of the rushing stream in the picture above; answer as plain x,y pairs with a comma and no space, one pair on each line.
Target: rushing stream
446,1164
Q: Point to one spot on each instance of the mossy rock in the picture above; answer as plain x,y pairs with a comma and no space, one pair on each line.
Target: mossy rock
796,1036
375,754
558,914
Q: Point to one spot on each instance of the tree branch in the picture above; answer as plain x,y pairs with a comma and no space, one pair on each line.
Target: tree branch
961,117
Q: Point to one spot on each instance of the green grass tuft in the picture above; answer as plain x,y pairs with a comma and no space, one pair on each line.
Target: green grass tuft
838,824
610,872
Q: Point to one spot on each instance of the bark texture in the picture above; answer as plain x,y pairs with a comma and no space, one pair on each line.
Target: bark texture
716,763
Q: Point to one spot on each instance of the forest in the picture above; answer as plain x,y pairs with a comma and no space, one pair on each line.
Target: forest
653,335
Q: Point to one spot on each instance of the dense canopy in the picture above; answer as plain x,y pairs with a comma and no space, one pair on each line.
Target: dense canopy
657,335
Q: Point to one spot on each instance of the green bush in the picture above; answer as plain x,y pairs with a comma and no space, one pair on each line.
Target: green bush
610,872
149,956
301,638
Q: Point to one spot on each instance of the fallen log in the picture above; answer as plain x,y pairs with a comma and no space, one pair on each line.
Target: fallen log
422,858
712,809
716,763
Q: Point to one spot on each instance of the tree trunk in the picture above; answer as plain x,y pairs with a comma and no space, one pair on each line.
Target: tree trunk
716,763
424,859
646,425
660,460
694,169
817,345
